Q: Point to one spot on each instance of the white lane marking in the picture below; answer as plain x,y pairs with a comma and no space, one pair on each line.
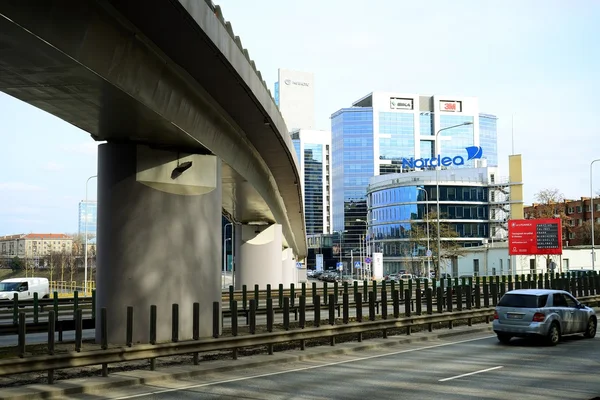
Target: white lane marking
296,369
470,373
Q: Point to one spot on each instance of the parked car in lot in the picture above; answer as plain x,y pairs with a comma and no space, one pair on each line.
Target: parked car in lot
544,313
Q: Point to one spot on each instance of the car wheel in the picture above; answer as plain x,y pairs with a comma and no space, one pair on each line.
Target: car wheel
590,331
504,339
553,334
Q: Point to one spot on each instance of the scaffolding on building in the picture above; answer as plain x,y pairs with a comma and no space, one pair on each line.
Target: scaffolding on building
500,202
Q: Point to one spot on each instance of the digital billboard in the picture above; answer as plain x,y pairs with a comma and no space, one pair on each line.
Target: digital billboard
534,236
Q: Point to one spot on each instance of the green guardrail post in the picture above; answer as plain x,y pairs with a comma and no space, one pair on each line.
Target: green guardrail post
55,303
292,294
365,289
355,289
280,295
15,309
94,304
230,296
36,308
375,288
75,303
303,289
245,296
401,290
256,294
325,295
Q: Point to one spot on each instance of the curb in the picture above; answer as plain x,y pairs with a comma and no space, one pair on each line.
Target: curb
99,385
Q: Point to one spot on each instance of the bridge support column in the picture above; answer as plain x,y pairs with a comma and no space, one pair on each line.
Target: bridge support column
288,266
259,260
159,239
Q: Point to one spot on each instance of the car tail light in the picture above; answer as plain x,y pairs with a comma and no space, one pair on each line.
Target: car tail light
539,317
496,315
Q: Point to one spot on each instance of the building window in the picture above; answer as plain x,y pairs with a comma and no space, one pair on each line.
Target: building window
570,210
578,209
476,267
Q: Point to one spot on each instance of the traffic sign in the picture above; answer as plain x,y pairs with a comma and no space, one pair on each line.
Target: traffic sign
357,264
368,260
428,253
298,265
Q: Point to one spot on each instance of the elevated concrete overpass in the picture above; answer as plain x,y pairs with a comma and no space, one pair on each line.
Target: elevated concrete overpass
191,130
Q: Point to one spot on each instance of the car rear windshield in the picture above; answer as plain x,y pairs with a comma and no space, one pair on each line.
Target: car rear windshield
523,300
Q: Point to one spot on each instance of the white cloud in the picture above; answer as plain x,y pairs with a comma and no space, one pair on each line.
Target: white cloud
53,166
87,148
19,187
23,210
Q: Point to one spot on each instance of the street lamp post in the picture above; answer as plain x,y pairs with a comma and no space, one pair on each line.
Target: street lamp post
592,211
85,250
366,239
224,261
427,216
225,239
437,189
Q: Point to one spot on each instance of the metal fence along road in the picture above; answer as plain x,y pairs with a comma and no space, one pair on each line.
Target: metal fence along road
463,302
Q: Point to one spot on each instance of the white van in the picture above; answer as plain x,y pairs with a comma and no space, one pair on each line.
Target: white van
25,288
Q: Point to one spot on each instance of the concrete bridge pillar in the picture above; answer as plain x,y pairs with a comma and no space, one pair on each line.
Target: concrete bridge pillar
259,258
288,266
159,239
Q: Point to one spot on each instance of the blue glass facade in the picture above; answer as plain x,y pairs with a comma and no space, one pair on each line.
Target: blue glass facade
313,188
352,166
427,148
276,97
88,211
488,138
426,124
462,137
397,135
398,212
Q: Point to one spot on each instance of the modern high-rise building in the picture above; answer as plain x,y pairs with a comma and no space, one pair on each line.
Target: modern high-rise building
295,96
313,149
88,214
385,133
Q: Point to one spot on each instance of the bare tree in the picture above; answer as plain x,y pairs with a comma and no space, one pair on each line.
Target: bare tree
71,267
54,261
550,202
449,248
584,233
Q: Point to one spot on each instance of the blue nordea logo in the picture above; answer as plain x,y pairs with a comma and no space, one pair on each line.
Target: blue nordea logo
473,153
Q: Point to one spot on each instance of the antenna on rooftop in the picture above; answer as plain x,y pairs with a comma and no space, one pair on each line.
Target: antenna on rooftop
513,133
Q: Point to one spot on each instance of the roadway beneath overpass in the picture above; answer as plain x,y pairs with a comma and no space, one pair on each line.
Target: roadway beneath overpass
170,80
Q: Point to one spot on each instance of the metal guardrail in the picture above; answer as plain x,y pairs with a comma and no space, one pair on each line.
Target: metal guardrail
141,352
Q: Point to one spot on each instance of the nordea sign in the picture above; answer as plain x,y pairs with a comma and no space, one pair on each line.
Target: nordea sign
473,152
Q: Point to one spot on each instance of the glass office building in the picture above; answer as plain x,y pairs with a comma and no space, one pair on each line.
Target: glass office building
88,214
403,207
383,132
313,151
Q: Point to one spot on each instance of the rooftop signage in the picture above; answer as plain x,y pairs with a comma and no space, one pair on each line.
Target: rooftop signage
473,153
401,104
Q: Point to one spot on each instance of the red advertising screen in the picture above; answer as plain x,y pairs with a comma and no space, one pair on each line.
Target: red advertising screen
534,236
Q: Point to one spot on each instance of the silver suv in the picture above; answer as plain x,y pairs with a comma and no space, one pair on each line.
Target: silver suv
542,312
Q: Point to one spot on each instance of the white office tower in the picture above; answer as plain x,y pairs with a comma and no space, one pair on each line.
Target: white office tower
295,96
313,149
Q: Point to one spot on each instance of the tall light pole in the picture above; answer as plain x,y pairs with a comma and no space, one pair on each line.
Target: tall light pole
225,251
367,241
427,216
592,211
437,189
85,251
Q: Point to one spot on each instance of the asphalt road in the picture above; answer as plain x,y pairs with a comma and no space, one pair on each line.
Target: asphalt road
471,366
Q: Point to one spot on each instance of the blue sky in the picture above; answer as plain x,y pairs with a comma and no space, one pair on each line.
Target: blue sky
537,60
